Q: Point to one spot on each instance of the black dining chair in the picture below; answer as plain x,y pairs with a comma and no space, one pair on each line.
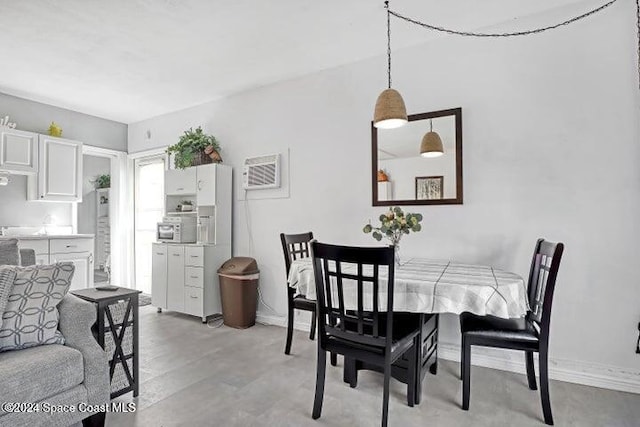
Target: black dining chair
354,332
296,246
529,334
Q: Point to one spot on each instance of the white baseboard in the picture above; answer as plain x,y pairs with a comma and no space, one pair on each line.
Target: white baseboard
577,372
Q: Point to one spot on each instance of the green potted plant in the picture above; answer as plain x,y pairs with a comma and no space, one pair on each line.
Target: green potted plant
102,181
195,148
393,225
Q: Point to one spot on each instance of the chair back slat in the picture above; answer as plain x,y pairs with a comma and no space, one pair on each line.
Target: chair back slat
329,301
542,280
295,246
376,298
360,303
357,324
341,313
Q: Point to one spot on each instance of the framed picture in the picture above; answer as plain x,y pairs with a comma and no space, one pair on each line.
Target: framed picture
429,187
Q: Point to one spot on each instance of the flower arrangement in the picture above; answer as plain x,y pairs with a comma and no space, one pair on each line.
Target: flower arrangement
195,147
394,224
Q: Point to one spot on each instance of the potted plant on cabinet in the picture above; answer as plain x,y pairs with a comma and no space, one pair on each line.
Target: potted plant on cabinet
102,181
195,148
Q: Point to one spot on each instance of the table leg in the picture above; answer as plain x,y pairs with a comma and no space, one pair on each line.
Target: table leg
434,366
418,391
136,377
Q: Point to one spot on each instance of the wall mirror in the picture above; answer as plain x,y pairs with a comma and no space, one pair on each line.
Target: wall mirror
419,163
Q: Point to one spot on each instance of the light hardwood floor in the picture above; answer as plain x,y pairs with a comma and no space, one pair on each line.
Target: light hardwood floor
193,375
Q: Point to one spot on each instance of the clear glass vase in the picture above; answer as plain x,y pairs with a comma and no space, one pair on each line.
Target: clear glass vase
395,242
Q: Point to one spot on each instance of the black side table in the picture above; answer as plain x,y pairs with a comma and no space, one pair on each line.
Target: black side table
117,314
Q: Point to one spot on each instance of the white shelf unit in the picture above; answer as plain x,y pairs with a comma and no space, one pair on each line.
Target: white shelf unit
103,232
184,276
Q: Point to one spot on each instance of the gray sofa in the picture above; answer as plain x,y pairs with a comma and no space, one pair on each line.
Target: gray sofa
71,374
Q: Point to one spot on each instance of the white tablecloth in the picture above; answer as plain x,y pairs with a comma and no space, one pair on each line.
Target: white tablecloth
430,286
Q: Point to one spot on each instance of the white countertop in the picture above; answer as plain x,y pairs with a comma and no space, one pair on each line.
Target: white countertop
48,236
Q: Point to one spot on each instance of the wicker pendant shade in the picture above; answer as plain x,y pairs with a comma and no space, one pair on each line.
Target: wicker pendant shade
390,111
431,145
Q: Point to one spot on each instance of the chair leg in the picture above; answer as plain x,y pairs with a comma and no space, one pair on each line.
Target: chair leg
287,347
466,373
312,332
461,360
531,372
543,362
320,375
385,396
350,372
334,359
411,383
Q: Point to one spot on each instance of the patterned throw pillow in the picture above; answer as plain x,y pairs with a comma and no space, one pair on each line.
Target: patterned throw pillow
30,317
7,276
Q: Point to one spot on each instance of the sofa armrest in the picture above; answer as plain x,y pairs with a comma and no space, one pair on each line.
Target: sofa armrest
76,318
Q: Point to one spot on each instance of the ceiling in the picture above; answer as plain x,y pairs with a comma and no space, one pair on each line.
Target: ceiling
129,60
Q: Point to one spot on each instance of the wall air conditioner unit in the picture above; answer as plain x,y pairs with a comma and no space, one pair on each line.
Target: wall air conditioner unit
261,172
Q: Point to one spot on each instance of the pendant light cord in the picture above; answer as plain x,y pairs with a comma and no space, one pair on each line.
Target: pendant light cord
386,5
512,34
508,34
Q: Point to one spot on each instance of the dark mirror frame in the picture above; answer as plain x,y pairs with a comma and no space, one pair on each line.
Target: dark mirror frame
457,112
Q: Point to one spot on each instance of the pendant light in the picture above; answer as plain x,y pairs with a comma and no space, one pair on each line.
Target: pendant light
390,111
431,144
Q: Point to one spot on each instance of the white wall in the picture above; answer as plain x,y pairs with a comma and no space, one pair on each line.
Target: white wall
32,116
551,148
36,117
16,211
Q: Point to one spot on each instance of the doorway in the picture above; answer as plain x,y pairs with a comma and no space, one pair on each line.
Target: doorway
100,212
149,209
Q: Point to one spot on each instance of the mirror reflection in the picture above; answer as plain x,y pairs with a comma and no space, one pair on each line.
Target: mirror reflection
421,162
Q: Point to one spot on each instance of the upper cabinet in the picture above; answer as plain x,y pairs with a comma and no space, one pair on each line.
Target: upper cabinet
206,184
202,181
18,151
60,170
180,181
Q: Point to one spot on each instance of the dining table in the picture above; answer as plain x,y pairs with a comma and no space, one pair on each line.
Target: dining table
427,288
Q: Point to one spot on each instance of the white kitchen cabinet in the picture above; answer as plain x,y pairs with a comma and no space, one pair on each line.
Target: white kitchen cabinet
175,278
206,185
75,249
83,262
159,276
42,259
193,301
18,151
190,274
180,181
59,170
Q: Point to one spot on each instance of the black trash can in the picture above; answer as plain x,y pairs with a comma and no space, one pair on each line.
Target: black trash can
239,291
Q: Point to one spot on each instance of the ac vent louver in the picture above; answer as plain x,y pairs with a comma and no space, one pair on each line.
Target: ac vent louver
261,172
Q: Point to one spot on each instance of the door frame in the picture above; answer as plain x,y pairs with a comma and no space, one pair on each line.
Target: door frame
131,187
120,268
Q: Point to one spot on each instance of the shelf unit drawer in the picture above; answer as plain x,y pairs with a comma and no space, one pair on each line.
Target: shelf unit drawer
41,247
193,301
62,246
194,276
195,256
